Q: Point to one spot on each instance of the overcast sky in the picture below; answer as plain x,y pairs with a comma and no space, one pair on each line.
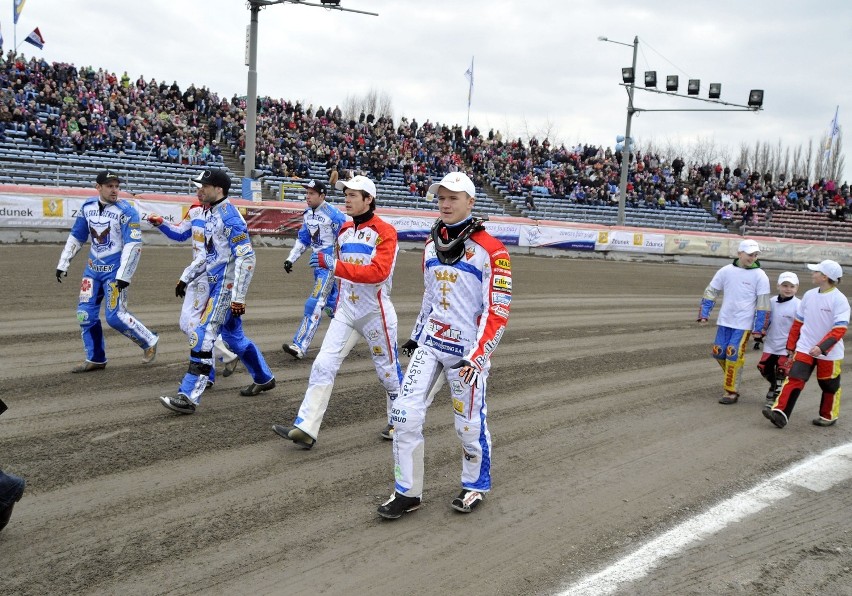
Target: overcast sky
538,63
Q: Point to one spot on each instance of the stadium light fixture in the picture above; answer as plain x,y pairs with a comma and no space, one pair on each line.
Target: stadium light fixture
693,86
755,101
672,83
715,91
650,78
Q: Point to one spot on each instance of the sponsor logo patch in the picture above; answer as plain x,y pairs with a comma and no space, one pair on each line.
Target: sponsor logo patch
243,250
503,264
86,289
239,238
458,406
501,282
501,298
136,234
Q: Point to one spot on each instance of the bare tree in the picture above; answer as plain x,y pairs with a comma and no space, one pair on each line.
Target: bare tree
377,103
809,159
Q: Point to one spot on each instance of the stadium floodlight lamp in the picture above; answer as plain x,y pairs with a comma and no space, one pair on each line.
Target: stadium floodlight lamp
755,98
650,78
715,91
627,75
693,86
671,83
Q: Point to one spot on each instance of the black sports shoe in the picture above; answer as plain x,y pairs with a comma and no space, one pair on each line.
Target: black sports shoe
387,432
258,388
297,435
467,500
13,487
823,422
776,417
180,404
398,504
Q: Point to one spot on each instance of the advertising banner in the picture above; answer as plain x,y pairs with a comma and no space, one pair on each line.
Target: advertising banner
552,237
623,240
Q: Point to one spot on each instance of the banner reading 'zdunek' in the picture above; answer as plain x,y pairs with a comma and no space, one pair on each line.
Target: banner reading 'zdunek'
647,242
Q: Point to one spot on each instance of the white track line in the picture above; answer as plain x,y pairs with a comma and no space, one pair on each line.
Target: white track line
818,473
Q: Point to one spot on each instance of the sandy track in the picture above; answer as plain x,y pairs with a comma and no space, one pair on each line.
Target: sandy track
603,410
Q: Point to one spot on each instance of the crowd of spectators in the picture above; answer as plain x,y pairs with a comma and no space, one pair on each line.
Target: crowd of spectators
744,198
94,110
90,109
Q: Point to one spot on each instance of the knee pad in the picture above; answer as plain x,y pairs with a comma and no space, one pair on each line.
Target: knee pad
199,368
829,385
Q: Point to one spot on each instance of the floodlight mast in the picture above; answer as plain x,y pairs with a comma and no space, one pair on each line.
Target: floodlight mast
251,91
630,86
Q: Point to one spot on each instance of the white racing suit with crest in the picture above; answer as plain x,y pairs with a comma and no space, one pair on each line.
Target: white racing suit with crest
229,266
116,245
464,313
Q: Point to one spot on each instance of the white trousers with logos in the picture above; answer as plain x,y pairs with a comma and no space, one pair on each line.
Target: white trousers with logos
426,370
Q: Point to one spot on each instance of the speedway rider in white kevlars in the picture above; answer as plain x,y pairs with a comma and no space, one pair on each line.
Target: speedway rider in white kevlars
467,276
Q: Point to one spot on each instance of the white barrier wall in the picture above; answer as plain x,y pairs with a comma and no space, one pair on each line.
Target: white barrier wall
34,209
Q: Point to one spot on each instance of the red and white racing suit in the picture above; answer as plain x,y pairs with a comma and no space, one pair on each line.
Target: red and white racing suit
366,256
463,316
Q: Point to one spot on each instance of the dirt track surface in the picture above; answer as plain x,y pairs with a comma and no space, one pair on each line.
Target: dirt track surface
602,405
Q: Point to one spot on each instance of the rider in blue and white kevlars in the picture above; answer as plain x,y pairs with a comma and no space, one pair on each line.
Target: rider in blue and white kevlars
321,224
116,245
195,291
229,265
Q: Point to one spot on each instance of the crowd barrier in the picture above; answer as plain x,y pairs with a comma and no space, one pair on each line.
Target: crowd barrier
38,208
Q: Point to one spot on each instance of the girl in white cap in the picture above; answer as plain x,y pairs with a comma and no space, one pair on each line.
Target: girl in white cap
774,363
815,342
744,312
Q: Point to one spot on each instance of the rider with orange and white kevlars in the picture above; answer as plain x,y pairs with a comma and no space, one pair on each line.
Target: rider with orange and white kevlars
467,276
229,265
364,263
112,225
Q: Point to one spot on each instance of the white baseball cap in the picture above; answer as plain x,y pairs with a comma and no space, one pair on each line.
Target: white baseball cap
749,247
454,181
789,277
357,183
831,269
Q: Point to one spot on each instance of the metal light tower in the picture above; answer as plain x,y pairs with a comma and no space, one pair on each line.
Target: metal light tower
754,105
251,92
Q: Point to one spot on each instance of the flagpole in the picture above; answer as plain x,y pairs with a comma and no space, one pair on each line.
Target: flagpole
469,91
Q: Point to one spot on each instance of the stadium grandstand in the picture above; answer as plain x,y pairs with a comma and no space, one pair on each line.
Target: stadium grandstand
60,124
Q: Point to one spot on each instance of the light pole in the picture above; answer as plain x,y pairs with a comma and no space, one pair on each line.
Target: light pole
251,91
754,105
628,142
